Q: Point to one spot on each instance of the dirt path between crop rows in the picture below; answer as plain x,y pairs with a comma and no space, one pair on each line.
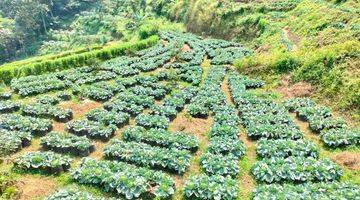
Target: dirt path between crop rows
193,126
246,181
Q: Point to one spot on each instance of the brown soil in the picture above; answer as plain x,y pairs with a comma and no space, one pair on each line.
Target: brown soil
226,90
36,187
58,127
188,124
79,109
195,126
350,160
288,90
186,48
98,153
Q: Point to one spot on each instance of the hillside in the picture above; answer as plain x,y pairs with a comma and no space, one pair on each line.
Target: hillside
180,99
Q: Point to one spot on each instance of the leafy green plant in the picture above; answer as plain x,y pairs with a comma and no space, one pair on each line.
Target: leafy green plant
161,137
285,148
145,155
124,179
63,143
47,111
226,145
12,141
35,126
295,169
211,187
47,162
328,190
118,119
70,193
9,106
152,121
340,137
218,164
91,129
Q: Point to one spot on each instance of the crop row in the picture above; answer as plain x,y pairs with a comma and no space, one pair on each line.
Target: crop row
149,156
100,91
32,85
35,126
152,121
295,169
12,141
209,94
334,132
219,51
211,187
286,148
220,161
91,129
65,143
161,138
70,193
129,103
5,95
327,190
125,179
9,106
47,111
174,103
107,118
47,162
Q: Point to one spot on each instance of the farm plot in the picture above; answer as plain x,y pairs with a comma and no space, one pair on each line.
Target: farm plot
139,96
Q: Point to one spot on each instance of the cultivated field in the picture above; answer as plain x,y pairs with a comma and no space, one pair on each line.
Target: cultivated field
173,121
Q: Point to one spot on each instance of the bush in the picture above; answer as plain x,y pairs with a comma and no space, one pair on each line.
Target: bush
286,63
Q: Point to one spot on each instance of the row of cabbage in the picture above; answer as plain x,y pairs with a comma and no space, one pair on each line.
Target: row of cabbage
99,123
219,51
288,163
123,66
18,128
334,131
148,144
220,161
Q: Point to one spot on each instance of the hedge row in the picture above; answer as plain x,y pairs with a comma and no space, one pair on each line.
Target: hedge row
9,72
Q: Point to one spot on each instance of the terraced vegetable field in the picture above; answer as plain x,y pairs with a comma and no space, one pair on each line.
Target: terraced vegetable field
137,139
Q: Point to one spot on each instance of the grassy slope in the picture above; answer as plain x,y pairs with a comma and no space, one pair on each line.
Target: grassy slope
316,41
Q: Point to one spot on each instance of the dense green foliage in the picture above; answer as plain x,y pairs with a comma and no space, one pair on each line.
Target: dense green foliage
47,162
332,190
125,179
70,193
